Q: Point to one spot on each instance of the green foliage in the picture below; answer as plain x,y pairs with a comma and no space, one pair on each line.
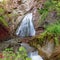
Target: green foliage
56,41
54,29
8,54
2,11
44,11
20,55
58,9
49,6
52,32
3,21
43,17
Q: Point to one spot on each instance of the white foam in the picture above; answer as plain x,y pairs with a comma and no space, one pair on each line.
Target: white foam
26,28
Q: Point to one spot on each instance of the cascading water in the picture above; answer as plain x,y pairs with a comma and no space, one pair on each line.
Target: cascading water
34,56
26,27
32,53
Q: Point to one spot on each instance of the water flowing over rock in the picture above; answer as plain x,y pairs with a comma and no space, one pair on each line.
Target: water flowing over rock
16,12
32,53
26,28
35,56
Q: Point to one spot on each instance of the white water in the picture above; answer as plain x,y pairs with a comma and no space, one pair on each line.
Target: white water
26,28
35,56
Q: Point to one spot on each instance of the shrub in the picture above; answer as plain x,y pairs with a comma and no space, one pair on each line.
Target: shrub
8,54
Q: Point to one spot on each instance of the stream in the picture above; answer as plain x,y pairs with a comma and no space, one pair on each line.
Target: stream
34,56
32,53
26,28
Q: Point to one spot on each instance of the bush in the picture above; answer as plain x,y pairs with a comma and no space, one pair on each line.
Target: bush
8,54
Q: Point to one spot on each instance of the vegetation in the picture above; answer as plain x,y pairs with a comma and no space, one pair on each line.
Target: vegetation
8,54
2,19
51,32
49,6
1,11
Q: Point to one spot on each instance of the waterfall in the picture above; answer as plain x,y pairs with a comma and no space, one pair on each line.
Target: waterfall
26,27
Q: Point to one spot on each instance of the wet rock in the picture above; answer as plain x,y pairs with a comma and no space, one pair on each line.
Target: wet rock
3,46
28,47
12,43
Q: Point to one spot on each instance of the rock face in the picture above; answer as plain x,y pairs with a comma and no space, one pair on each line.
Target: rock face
27,47
14,13
14,7
17,9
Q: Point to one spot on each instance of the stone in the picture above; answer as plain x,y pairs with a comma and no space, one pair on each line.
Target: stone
27,47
